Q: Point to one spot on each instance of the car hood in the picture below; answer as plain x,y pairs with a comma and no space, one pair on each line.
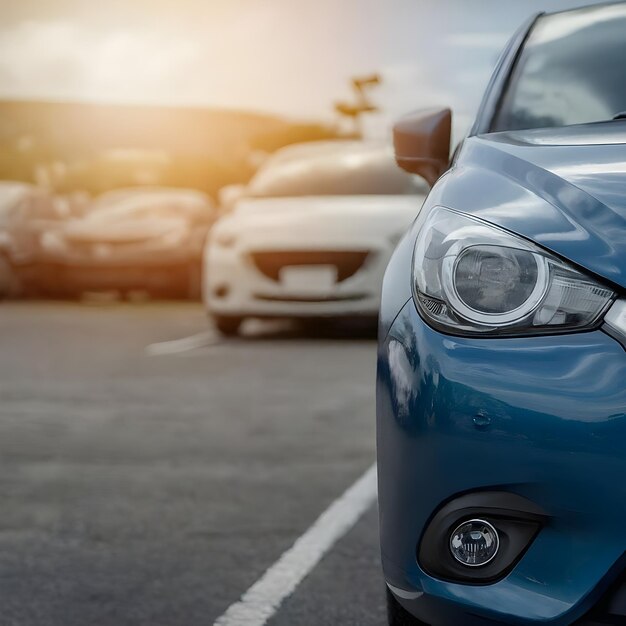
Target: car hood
563,188
323,218
122,231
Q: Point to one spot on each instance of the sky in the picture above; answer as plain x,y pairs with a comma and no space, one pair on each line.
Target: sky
291,57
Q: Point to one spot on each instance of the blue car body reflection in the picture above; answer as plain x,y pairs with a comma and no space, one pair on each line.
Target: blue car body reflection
539,417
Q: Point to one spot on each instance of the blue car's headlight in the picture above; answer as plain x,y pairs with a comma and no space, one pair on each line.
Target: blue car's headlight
472,277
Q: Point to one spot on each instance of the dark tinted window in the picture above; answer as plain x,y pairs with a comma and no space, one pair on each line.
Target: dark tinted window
335,175
572,71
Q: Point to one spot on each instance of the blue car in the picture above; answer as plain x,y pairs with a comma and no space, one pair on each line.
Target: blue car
501,389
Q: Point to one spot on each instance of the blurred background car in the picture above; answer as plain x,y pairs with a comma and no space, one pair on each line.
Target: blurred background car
147,239
26,212
310,236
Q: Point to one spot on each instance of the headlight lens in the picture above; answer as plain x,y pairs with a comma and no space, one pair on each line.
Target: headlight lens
472,277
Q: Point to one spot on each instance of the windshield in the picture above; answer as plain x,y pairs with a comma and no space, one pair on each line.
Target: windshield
353,174
572,70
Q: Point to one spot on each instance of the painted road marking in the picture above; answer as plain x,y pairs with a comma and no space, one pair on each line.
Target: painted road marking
208,338
264,598
186,344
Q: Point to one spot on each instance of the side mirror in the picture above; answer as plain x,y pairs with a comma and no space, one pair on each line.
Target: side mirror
422,143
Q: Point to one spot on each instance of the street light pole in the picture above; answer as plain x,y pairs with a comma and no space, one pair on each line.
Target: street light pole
362,104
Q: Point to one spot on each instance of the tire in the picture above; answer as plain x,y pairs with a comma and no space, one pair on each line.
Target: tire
397,615
228,325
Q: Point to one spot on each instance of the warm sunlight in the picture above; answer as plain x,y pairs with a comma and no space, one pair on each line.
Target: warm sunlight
312,312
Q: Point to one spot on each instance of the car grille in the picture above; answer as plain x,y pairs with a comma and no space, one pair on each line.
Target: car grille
349,298
89,248
347,263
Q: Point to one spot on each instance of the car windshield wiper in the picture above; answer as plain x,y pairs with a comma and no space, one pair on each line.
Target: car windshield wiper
620,116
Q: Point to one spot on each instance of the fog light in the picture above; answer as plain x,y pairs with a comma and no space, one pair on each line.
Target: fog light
474,543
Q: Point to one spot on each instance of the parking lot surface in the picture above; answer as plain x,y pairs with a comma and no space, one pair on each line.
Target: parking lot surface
151,472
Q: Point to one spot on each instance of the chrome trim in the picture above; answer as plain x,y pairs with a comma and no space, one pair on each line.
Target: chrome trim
475,521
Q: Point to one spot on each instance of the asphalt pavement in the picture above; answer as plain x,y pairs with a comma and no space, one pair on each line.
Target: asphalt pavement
151,472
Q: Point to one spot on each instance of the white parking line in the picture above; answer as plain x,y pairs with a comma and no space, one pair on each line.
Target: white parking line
264,598
177,346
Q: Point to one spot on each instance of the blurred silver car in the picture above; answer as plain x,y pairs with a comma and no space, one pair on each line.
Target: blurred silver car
147,239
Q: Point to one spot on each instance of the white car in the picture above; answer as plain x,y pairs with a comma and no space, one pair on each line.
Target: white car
310,236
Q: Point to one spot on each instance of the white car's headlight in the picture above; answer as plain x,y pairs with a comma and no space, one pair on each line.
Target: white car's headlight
225,238
175,237
470,277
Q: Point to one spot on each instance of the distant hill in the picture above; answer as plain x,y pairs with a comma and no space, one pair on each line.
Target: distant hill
97,146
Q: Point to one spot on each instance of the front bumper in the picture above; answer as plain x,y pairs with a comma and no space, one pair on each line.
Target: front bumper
234,285
543,418
52,279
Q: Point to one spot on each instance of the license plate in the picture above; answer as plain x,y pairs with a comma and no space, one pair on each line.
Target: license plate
309,279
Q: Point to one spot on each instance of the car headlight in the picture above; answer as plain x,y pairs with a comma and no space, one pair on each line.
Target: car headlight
175,237
52,241
470,277
225,238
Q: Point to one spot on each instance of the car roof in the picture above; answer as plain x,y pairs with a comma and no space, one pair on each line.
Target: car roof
329,155
319,167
